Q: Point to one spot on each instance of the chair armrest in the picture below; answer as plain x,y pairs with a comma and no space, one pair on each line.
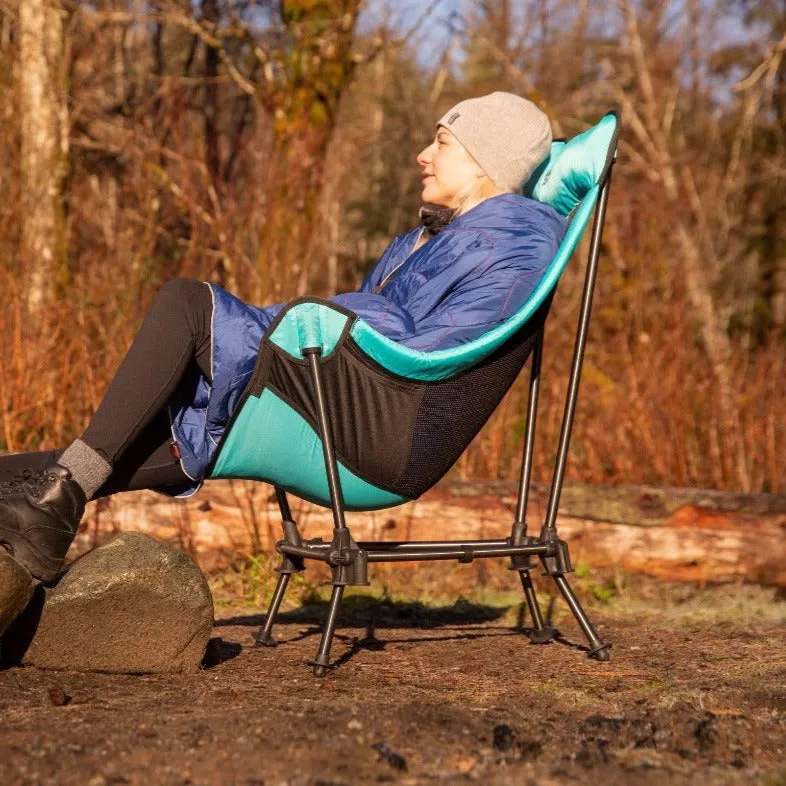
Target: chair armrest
307,323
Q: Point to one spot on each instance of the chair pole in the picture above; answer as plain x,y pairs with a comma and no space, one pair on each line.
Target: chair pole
264,635
283,504
520,524
532,602
326,435
540,633
598,649
322,660
549,530
341,534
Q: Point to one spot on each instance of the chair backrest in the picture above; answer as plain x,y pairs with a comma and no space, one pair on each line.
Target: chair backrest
573,168
570,181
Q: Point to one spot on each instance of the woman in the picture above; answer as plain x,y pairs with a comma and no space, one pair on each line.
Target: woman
479,253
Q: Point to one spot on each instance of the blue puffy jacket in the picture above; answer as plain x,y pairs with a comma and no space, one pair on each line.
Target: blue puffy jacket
473,275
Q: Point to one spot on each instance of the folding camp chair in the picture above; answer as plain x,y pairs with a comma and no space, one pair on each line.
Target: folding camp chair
340,415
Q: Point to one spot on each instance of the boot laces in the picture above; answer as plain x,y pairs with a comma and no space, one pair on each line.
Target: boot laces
26,480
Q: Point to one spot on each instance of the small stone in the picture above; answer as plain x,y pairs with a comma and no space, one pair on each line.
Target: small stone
16,589
504,737
354,725
387,754
130,606
58,697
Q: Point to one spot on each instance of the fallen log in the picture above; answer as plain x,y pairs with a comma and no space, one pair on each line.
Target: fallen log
687,535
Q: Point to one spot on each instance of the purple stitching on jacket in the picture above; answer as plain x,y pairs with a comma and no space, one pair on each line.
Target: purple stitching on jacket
512,288
439,336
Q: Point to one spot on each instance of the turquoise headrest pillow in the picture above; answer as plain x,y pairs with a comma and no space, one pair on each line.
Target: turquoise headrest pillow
574,167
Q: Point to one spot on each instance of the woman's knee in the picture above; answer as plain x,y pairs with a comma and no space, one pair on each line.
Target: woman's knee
181,290
185,296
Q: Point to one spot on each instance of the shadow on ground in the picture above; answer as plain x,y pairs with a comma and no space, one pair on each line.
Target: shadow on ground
462,620
359,611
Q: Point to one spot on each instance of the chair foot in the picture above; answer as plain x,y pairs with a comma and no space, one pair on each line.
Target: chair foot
541,633
319,670
263,639
544,635
599,651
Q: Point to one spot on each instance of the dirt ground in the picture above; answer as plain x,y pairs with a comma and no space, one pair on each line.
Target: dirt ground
695,693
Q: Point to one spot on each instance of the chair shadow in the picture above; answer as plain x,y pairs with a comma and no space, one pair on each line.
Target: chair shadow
379,614
359,611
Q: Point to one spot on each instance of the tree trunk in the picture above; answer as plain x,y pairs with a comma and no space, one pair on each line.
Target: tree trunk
705,537
318,69
44,161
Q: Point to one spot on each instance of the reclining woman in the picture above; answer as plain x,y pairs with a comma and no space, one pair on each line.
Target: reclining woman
480,251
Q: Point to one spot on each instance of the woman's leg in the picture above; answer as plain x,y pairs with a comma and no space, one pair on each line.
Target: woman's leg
148,463
176,331
39,525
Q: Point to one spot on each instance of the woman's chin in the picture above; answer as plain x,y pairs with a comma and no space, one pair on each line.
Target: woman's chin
432,197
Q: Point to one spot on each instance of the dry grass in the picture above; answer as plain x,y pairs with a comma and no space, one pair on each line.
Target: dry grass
143,211
250,583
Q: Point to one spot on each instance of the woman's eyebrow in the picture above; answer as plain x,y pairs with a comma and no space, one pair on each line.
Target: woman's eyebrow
442,134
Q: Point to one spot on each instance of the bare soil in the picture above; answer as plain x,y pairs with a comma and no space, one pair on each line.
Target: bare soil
695,693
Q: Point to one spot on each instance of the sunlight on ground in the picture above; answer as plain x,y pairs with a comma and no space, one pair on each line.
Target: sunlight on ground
251,583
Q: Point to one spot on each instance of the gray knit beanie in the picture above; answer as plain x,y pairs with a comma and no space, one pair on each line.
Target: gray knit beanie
506,134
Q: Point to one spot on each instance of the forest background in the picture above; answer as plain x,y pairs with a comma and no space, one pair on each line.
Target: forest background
268,146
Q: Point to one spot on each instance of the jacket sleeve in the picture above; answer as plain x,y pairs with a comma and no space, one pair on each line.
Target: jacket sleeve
381,313
475,306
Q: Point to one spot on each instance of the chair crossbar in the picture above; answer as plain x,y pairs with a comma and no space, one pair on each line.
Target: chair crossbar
380,551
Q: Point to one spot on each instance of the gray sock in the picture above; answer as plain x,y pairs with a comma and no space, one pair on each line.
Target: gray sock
88,468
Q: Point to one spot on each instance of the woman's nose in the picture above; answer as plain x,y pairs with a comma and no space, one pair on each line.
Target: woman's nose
424,156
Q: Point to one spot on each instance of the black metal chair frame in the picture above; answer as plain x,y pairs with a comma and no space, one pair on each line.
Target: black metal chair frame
349,559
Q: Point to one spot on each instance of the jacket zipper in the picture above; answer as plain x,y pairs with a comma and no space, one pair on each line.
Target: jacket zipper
379,287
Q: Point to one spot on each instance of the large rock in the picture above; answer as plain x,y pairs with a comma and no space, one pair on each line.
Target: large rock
16,588
131,605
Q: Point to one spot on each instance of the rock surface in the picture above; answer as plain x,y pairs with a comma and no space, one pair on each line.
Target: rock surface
131,605
16,588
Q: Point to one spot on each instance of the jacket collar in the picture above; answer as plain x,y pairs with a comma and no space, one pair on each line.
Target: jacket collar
489,211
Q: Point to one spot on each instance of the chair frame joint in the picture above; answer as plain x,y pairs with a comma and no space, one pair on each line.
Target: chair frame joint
557,560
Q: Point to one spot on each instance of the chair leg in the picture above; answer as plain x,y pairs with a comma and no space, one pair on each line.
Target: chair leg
322,661
264,635
598,649
540,634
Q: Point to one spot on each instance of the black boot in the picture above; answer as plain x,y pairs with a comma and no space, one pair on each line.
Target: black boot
14,484
39,521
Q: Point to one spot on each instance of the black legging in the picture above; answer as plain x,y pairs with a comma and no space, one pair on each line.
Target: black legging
131,427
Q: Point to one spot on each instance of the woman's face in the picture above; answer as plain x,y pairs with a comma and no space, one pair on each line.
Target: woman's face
448,170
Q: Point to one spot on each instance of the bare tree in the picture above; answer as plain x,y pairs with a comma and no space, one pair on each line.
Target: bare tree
44,161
